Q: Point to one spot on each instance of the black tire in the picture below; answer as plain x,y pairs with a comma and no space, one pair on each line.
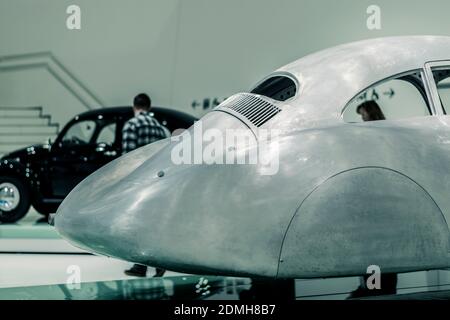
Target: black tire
24,203
45,209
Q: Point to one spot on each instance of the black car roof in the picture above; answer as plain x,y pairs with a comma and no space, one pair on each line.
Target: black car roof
128,111
105,112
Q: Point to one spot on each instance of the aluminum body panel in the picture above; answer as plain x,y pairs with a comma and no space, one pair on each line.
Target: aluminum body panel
232,220
382,227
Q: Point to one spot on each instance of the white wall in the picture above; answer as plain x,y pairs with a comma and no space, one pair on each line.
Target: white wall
182,50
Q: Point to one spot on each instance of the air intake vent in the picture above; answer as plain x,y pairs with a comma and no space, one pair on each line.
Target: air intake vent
255,109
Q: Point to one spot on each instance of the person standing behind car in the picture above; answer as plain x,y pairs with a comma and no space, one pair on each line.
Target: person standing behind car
139,131
143,128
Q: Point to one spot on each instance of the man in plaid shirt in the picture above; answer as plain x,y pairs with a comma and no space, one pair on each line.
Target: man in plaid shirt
143,129
137,132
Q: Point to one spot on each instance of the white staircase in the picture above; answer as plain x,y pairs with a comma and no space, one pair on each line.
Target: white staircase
23,126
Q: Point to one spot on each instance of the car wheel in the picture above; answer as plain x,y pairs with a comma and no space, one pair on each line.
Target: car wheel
45,209
14,199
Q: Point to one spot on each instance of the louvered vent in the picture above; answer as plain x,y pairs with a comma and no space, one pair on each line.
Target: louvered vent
255,109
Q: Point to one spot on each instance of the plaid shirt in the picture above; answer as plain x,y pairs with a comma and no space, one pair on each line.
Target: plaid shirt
140,131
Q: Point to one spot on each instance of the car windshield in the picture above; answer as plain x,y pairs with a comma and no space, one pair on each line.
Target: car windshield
80,133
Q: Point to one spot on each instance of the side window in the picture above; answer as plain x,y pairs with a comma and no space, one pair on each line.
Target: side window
279,88
107,134
398,98
442,79
80,133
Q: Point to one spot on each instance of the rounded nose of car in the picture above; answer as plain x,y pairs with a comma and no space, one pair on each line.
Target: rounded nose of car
106,206
172,215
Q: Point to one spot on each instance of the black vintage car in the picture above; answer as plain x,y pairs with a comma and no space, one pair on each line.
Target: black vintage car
43,175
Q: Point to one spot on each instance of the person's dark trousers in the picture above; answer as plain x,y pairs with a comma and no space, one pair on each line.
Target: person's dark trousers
137,270
159,272
141,271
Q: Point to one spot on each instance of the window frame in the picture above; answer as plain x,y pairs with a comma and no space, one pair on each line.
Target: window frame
298,87
100,129
77,122
432,83
425,82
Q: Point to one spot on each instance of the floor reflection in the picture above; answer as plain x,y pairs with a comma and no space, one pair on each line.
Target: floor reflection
261,289
40,246
199,288
171,288
388,286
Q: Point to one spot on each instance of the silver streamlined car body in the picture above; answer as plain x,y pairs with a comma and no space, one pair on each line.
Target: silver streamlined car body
346,195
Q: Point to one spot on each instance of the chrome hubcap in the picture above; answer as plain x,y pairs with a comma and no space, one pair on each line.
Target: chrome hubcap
9,197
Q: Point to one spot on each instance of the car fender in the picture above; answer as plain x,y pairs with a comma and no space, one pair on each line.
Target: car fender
13,168
362,217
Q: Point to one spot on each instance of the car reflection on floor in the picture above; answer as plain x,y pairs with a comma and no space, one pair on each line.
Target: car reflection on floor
180,287
34,264
193,288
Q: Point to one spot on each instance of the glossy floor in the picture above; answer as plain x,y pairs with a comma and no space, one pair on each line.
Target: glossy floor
32,254
35,263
